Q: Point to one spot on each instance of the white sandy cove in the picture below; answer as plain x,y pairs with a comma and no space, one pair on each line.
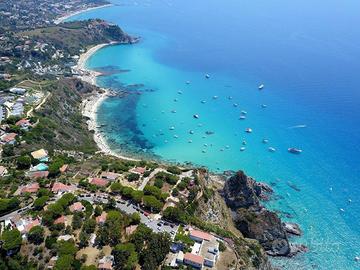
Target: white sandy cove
65,17
91,104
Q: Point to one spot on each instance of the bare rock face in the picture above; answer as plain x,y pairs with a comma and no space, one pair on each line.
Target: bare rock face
243,195
292,228
241,191
266,227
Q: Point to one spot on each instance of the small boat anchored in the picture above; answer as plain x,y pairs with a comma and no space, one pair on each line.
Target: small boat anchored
272,149
261,86
207,76
242,149
196,116
294,150
248,130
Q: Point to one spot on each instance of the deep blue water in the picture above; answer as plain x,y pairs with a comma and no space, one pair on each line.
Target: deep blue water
307,55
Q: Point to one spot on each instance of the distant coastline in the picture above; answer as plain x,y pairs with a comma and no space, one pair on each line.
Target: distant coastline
67,16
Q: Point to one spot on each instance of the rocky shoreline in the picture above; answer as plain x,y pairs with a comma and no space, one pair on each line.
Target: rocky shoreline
243,195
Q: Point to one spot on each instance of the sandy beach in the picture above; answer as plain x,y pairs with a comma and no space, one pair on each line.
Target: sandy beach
65,17
91,104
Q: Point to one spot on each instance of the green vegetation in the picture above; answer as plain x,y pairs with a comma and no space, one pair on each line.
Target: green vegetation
166,177
36,235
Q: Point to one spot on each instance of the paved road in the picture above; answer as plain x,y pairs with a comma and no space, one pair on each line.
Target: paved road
146,179
12,214
155,225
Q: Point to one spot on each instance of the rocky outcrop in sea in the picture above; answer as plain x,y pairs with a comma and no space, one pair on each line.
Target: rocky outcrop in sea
244,195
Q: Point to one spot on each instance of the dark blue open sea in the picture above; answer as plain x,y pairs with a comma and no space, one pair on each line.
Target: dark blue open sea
306,53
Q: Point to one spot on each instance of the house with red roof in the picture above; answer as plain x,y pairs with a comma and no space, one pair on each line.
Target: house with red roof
23,124
60,220
30,188
199,236
139,170
193,260
38,174
102,218
98,182
76,207
8,138
59,187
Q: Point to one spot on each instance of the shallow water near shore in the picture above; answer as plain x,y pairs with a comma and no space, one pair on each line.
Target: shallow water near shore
306,55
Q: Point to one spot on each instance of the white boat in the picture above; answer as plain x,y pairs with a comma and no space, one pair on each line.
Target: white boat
263,105
265,140
207,76
196,116
187,82
189,141
215,97
248,130
191,132
261,87
272,149
242,149
172,128
180,92
203,101
173,111
243,112
244,143
294,150
242,117
235,104
357,259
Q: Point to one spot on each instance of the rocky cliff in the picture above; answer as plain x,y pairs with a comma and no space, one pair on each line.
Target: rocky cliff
243,195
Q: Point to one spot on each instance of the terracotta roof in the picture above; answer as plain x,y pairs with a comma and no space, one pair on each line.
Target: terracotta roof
62,187
201,235
98,182
39,154
140,170
194,258
31,224
22,122
8,137
76,207
59,220
38,174
31,188
101,218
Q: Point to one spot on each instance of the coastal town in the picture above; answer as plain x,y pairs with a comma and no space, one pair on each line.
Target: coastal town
69,202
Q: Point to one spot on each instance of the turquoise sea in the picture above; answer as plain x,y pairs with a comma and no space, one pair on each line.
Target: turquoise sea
306,53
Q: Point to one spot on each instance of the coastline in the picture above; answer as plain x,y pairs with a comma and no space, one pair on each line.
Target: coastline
90,105
67,16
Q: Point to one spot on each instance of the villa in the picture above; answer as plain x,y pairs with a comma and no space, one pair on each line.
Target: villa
98,182
8,138
41,155
77,207
102,218
62,188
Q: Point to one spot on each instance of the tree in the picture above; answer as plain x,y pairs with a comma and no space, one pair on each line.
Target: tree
84,239
23,162
116,187
39,203
152,203
174,170
175,214
12,239
137,195
64,262
135,218
97,211
125,256
36,235
66,248
89,225
77,221
133,177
